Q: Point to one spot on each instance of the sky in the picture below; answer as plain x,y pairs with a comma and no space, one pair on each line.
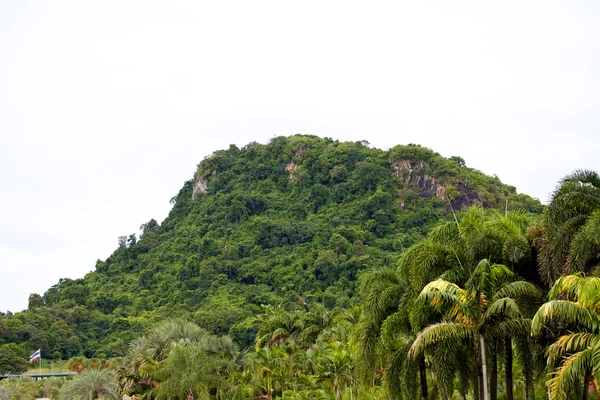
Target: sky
107,107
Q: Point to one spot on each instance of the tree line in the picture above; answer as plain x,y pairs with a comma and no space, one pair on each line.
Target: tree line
487,305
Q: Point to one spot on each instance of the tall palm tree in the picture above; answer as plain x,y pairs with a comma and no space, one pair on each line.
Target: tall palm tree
573,312
384,331
485,307
92,385
452,251
570,240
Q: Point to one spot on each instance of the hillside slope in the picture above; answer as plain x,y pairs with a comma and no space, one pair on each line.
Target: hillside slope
295,220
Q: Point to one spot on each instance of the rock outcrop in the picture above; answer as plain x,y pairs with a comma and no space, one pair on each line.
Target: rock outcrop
292,166
414,174
417,176
200,186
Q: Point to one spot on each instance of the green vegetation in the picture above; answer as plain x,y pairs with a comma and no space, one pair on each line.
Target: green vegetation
298,218
313,269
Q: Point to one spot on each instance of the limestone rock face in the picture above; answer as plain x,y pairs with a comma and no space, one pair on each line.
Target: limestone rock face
200,186
413,174
416,175
292,166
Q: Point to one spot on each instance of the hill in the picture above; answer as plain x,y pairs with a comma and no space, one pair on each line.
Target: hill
293,221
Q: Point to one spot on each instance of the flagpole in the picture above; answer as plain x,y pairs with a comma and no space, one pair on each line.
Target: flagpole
40,362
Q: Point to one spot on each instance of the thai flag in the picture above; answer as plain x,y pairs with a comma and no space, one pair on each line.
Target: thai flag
36,355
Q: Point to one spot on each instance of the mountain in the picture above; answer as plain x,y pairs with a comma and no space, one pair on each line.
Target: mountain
293,221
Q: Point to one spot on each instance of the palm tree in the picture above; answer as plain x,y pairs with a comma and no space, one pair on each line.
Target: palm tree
486,307
277,324
147,352
23,388
51,387
384,331
569,240
190,372
452,251
336,366
315,320
91,385
267,362
573,312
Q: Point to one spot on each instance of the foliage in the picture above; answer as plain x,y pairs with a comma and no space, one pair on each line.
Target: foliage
572,314
23,388
91,385
309,268
11,359
569,237
299,216
485,309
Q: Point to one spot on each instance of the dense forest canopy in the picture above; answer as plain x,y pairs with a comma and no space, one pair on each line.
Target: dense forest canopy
312,268
293,220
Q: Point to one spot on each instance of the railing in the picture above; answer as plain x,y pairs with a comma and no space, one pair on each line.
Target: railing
38,375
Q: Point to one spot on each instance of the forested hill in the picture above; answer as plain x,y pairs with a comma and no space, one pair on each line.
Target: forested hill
293,222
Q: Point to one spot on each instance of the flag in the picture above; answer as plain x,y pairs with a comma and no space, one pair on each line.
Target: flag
36,355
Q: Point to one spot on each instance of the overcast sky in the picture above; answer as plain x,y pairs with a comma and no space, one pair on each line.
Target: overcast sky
107,107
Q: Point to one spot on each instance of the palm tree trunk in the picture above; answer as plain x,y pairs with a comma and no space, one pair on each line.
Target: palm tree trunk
529,389
336,386
508,371
444,393
586,382
494,371
478,391
423,377
486,395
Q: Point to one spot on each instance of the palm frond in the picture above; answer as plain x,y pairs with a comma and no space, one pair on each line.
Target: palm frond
570,343
569,373
512,328
504,307
566,311
437,333
393,325
518,289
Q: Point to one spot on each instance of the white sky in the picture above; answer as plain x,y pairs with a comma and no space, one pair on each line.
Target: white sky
106,107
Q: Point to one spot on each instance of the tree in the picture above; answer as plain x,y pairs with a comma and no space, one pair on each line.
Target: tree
35,300
148,352
91,385
572,313
188,372
486,306
336,366
10,360
452,251
570,237
383,334
23,388
277,324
